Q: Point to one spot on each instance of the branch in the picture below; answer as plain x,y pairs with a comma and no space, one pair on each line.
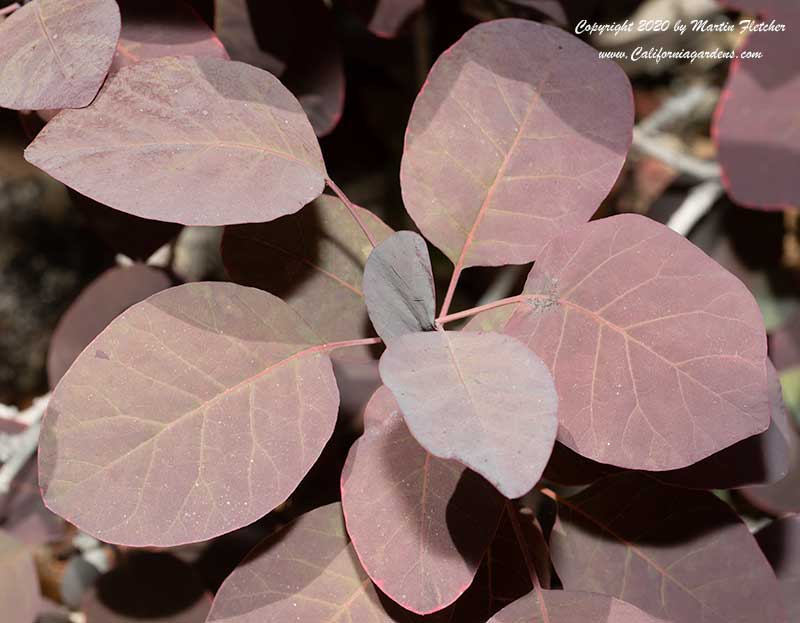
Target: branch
8,10
656,147
351,206
520,298
20,447
698,202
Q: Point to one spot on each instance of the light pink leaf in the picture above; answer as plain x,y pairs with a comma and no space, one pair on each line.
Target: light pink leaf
760,459
680,555
148,586
19,584
103,300
194,413
780,542
156,28
420,525
307,573
296,41
518,134
398,286
55,53
758,154
314,260
483,399
570,607
202,141
658,353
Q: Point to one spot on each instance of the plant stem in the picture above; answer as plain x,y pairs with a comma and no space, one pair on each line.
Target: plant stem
350,343
351,206
451,289
482,308
8,10
513,515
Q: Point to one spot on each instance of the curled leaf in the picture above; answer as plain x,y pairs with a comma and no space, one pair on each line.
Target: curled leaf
202,141
398,286
194,413
483,399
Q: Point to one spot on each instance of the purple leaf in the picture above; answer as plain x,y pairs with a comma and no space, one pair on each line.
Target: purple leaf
552,9
55,53
763,458
780,542
759,157
314,260
570,607
420,524
657,352
295,41
483,399
103,300
398,286
19,585
23,514
518,134
680,555
782,496
307,573
203,142
194,413
148,586
156,28
389,16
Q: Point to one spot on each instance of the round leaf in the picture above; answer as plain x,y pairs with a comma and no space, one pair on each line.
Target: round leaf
518,134
570,607
201,141
194,413
56,53
483,399
420,525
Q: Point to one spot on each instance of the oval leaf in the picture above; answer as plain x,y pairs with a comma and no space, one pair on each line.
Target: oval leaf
203,141
570,607
759,459
103,300
56,53
780,542
19,584
194,413
483,399
156,28
759,157
314,260
398,286
420,525
518,135
680,555
657,352
307,573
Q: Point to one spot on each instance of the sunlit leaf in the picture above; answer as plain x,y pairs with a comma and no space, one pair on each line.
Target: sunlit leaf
194,413
419,524
483,399
201,141
398,286
518,135
55,53
683,556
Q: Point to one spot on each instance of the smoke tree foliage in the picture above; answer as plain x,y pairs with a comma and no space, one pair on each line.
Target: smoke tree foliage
201,407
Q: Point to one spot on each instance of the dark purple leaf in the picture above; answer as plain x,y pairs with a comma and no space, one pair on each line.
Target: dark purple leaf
780,542
295,41
552,9
389,16
314,260
23,514
202,141
518,135
19,585
784,495
55,53
398,286
156,28
570,607
758,154
784,344
307,573
680,555
657,352
146,586
769,8
420,525
760,459
483,399
103,300
567,467
194,413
